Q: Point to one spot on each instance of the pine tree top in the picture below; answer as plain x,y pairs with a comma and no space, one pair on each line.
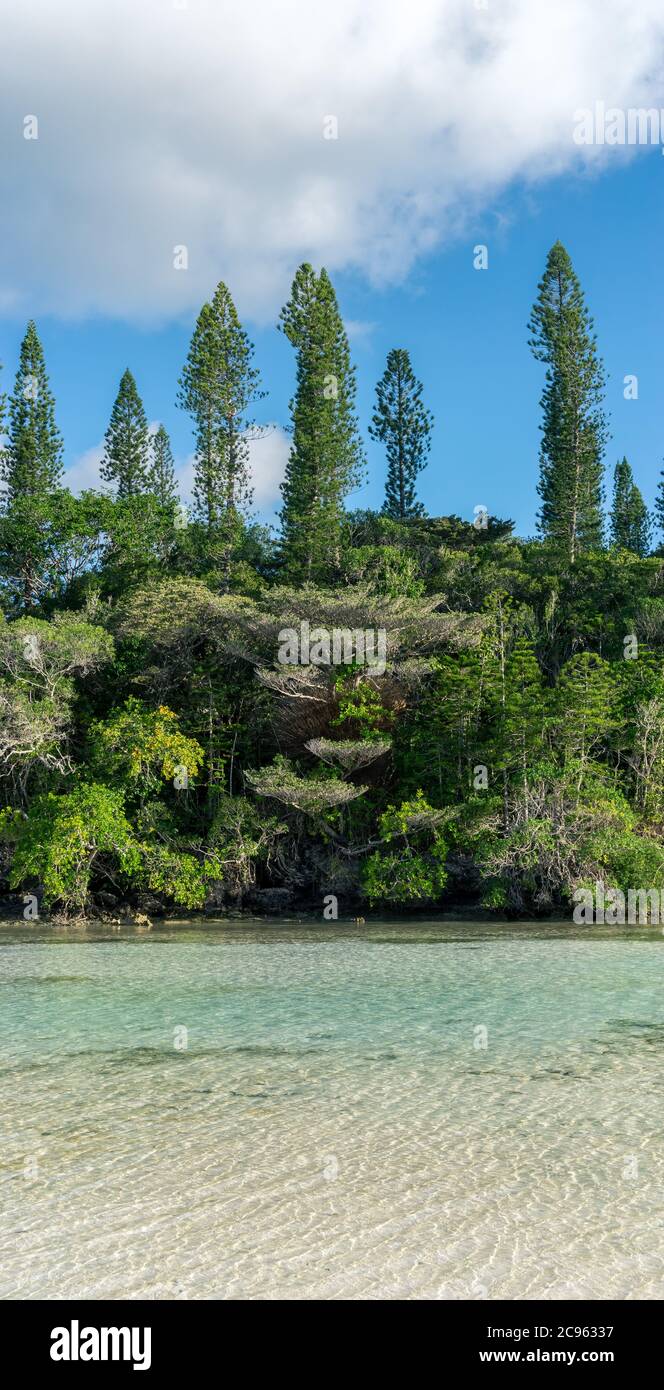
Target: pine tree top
32,461
126,441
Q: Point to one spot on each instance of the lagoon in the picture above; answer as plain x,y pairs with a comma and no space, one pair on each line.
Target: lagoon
411,1110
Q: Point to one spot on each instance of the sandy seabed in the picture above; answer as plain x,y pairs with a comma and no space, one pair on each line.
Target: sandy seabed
434,1111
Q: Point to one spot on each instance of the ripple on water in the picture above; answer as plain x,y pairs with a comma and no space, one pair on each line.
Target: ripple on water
331,1129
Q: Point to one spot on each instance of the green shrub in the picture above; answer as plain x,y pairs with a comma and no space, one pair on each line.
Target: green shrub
414,870
61,840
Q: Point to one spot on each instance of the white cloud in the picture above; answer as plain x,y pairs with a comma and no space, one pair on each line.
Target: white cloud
359,330
84,472
203,126
268,457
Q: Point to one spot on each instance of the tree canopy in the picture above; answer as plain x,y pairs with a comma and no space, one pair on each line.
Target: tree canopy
402,710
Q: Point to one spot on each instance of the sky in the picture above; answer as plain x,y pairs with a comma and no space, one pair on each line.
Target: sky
206,126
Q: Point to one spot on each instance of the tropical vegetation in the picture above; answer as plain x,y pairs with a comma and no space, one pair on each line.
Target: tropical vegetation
153,749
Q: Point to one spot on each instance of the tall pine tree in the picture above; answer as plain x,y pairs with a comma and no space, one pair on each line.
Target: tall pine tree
326,456
218,387
630,523
31,465
3,402
126,452
161,469
658,509
30,469
574,430
403,424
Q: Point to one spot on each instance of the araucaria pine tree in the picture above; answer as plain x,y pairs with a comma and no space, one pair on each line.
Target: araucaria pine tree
403,424
326,457
126,452
574,429
630,523
218,387
31,464
658,510
3,403
161,469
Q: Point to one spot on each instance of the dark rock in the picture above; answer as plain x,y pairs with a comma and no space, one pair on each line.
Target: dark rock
270,900
107,900
11,907
154,907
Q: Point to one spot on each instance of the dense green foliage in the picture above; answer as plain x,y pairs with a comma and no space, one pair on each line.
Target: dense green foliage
503,744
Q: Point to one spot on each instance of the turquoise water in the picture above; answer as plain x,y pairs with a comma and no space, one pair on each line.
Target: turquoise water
332,1125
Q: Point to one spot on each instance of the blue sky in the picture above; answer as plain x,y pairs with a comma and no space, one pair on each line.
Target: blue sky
403,279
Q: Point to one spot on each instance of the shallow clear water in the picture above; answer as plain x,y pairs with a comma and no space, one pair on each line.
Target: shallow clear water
334,1127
